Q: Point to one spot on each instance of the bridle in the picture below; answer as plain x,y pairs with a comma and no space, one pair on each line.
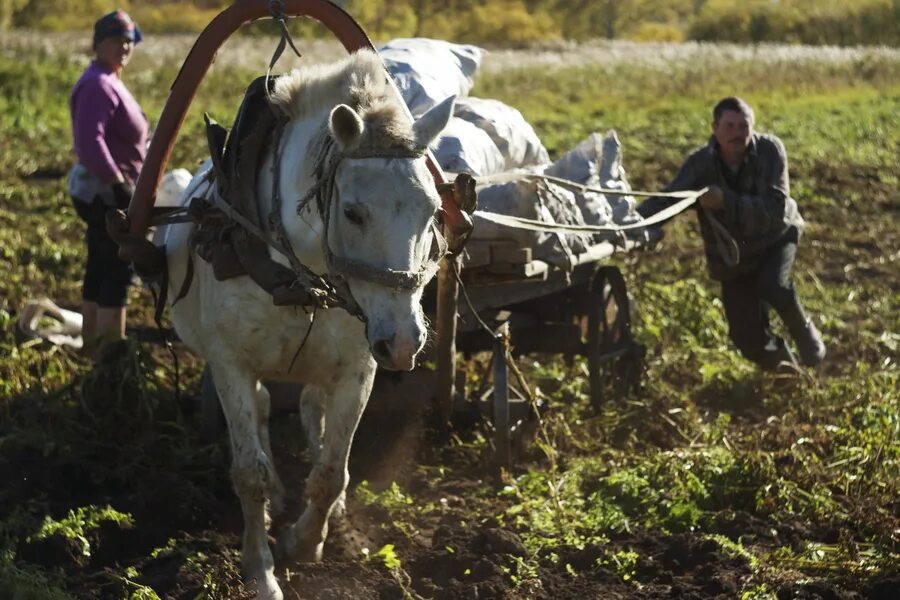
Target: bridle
334,286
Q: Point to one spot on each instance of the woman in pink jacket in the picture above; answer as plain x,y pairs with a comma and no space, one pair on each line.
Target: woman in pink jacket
110,137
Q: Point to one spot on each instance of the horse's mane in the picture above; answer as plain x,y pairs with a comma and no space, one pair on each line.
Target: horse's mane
360,81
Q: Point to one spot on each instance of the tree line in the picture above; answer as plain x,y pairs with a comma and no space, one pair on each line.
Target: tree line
511,22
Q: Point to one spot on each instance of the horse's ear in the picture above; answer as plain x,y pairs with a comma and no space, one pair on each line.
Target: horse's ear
346,126
432,123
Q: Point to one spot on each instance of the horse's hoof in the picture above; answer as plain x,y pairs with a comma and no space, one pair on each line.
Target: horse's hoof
266,589
288,548
311,553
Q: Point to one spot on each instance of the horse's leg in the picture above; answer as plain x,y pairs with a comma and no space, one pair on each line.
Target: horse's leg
251,474
328,480
312,413
276,487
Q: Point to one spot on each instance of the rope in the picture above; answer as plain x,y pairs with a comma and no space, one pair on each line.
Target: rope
688,199
513,176
304,274
312,321
465,293
276,9
727,246
159,300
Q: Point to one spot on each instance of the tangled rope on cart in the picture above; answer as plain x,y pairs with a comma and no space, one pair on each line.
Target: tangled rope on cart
725,242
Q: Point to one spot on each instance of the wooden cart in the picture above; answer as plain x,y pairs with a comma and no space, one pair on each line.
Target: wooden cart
585,311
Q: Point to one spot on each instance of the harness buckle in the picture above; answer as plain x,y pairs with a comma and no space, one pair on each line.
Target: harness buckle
461,192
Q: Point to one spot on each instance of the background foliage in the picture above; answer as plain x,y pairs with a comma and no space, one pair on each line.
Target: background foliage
838,22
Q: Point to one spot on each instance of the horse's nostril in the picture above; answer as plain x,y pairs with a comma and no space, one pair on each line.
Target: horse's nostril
381,350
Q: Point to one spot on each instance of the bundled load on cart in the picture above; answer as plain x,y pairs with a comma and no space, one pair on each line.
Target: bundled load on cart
493,142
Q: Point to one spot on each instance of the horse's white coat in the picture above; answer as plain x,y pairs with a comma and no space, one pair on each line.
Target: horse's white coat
382,218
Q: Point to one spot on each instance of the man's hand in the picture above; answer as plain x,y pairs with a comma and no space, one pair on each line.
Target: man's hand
713,199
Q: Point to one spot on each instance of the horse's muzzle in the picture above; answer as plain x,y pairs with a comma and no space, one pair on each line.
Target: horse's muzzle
396,353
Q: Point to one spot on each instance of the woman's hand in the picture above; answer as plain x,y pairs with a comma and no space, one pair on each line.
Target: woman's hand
122,193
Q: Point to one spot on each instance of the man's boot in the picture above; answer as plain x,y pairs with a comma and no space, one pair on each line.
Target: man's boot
780,359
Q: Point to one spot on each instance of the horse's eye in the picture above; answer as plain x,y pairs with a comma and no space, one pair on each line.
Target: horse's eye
353,215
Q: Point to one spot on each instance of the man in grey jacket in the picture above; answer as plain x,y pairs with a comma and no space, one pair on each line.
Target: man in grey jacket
749,197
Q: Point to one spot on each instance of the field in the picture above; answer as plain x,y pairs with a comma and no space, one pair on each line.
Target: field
715,481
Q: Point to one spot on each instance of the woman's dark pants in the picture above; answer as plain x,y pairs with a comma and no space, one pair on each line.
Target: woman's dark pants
106,277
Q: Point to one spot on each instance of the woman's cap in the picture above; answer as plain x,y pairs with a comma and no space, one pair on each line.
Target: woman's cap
116,24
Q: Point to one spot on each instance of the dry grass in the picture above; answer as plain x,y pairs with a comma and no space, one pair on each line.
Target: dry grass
241,52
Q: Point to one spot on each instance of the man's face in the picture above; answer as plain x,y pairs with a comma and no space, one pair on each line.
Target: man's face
732,131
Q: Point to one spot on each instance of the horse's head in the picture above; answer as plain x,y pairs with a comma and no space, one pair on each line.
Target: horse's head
381,229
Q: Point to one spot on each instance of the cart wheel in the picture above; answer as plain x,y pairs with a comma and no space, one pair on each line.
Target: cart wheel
610,350
212,420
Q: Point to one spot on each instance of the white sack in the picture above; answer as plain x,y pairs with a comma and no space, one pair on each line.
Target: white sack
511,133
597,162
464,148
429,71
612,176
42,318
581,164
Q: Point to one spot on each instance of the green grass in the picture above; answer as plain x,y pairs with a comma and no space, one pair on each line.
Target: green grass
816,459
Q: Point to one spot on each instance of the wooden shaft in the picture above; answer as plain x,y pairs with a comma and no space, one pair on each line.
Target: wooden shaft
445,351
502,447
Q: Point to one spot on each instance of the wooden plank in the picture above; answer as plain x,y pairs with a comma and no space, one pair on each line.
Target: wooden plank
477,255
492,276
525,271
488,290
481,253
504,254
604,250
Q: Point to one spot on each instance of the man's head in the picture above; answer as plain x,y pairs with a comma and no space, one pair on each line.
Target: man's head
732,126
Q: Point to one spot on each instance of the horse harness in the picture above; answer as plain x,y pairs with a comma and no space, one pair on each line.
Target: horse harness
235,238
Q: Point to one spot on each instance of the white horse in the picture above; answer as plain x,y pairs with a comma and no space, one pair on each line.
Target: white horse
380,222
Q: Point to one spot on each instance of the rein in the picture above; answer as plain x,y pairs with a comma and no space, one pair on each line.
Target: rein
318,285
